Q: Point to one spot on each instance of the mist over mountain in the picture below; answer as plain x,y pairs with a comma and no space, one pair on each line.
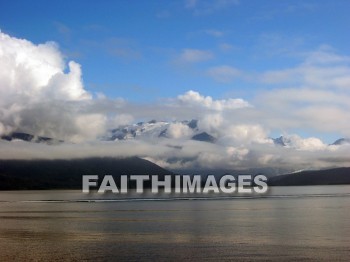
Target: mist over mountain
179,146
162,129
44,101
151,130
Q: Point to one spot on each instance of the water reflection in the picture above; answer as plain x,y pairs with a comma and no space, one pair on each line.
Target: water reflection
286,228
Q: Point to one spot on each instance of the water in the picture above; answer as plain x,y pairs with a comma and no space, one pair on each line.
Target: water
289,223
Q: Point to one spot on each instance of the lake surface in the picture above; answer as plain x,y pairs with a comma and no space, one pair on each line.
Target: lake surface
288,223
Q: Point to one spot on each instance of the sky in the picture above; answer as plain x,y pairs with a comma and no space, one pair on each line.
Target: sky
243,68
142,50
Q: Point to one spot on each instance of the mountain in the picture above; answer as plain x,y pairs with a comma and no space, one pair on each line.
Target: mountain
30,138
281,141
193,124
285,141
342,141
204,137
154,129
150,130
67,174
142,130
335,176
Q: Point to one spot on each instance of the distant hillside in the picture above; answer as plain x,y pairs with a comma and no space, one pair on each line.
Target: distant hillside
30,138
336,176
204,137
67,174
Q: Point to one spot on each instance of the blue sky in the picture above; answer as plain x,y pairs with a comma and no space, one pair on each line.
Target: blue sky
247,70
137,49
290,60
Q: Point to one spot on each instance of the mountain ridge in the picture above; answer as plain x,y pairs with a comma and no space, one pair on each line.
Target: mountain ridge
151,130
332,176
67,174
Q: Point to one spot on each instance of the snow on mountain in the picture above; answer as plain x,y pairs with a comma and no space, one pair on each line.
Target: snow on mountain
154,129
296,142
151,129
299,143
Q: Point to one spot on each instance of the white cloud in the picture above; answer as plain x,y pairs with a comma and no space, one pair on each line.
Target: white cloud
321,69
190,154
194,56
245,134
89,126
237,153
39,95
120,120
307,144
193,98
313,95
36,70
335,76
212,123
325,55
179,130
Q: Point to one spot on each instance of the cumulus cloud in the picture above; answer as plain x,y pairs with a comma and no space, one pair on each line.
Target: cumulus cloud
36,71
196,99
179,130
306,144
38,94
237,153
245,134
43,94
212,123
89,126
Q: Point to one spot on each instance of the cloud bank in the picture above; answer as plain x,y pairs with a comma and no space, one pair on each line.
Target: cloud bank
43,94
